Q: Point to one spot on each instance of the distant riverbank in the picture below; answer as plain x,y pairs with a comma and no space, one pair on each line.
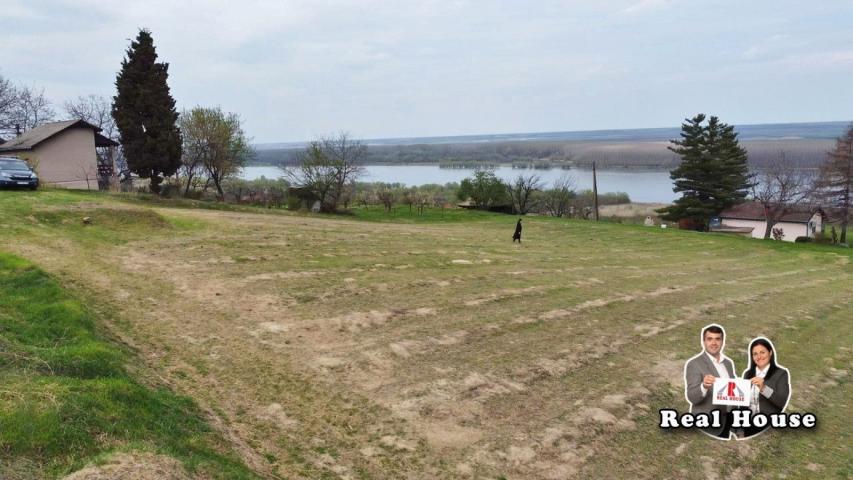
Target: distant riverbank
640,185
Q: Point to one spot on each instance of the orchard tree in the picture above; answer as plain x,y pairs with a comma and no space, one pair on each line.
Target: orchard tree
145,115
713,174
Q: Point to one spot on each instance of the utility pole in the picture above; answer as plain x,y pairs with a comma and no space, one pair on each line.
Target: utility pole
595,190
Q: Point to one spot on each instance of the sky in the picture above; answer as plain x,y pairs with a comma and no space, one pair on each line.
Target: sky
297,70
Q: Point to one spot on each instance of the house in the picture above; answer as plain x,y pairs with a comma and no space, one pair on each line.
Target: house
749,219
469,204
61,153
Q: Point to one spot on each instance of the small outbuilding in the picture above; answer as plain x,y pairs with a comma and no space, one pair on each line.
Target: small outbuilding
62,153
749,219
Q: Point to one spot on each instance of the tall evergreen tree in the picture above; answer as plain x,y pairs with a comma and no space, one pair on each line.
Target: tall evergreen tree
145,115
713,174
836,178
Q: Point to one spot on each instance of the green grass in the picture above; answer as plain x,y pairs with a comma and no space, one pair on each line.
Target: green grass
220,276
402,214
66,397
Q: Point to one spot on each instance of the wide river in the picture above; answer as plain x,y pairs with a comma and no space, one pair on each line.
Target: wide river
640,185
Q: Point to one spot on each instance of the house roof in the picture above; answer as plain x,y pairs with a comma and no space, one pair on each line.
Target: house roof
755,211
29,139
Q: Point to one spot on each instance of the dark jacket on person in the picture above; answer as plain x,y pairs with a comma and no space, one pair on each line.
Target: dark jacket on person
694,373
779,383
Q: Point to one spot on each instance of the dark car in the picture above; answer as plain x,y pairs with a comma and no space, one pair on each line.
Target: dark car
15,173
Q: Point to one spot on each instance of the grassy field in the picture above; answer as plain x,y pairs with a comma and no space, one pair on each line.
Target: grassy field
430,346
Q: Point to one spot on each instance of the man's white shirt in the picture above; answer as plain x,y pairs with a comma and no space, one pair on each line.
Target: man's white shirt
721,370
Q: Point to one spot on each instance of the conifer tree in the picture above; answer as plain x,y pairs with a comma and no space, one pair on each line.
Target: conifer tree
836,178
713,174
145,115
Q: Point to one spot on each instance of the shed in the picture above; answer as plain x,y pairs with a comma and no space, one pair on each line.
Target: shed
61,153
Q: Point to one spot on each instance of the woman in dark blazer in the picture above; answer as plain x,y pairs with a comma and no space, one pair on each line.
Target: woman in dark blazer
771,383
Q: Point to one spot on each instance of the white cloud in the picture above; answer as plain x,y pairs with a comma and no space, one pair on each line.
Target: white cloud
379,68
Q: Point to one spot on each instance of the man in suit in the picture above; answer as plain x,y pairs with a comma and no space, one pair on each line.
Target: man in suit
700,373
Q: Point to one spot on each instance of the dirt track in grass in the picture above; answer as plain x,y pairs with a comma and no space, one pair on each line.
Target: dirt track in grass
327,348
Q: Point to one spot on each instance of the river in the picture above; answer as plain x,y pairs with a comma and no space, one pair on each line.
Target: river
640,185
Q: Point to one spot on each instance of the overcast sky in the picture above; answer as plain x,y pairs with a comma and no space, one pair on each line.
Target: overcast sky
294,70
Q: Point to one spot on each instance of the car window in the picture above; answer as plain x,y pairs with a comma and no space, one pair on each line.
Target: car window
13,165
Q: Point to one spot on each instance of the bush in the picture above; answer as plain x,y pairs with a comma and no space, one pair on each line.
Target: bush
803,240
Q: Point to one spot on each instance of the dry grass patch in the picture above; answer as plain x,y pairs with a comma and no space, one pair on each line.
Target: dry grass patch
335,348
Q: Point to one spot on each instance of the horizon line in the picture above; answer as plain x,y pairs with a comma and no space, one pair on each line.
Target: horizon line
365,140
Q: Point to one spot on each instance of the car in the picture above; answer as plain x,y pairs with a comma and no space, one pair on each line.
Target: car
15,173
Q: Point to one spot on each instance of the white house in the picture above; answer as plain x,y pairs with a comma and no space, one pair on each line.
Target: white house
749,219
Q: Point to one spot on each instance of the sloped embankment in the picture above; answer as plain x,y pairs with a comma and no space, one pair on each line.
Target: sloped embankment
67,400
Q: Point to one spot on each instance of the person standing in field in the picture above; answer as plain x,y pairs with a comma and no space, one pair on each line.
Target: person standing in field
517,234
700,373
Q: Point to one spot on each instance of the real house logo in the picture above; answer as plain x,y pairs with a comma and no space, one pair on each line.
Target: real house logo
724,405
732,392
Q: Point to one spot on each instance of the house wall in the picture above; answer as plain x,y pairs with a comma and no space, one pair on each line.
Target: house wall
65,160
817,220
791,230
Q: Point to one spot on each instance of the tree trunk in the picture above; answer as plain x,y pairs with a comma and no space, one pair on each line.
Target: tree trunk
216,181
769,229
154,183
189,182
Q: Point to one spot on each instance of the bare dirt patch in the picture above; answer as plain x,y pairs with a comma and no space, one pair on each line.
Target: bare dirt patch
134,466
330,358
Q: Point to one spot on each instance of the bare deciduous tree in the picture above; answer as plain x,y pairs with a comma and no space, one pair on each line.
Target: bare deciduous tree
326,166
520,191
97,111
8,99
558,200
32,108
782,189
22,108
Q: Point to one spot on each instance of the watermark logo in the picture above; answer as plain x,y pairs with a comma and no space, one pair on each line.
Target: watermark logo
726,405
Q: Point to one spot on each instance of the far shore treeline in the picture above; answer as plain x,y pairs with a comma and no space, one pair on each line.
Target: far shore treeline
804,152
